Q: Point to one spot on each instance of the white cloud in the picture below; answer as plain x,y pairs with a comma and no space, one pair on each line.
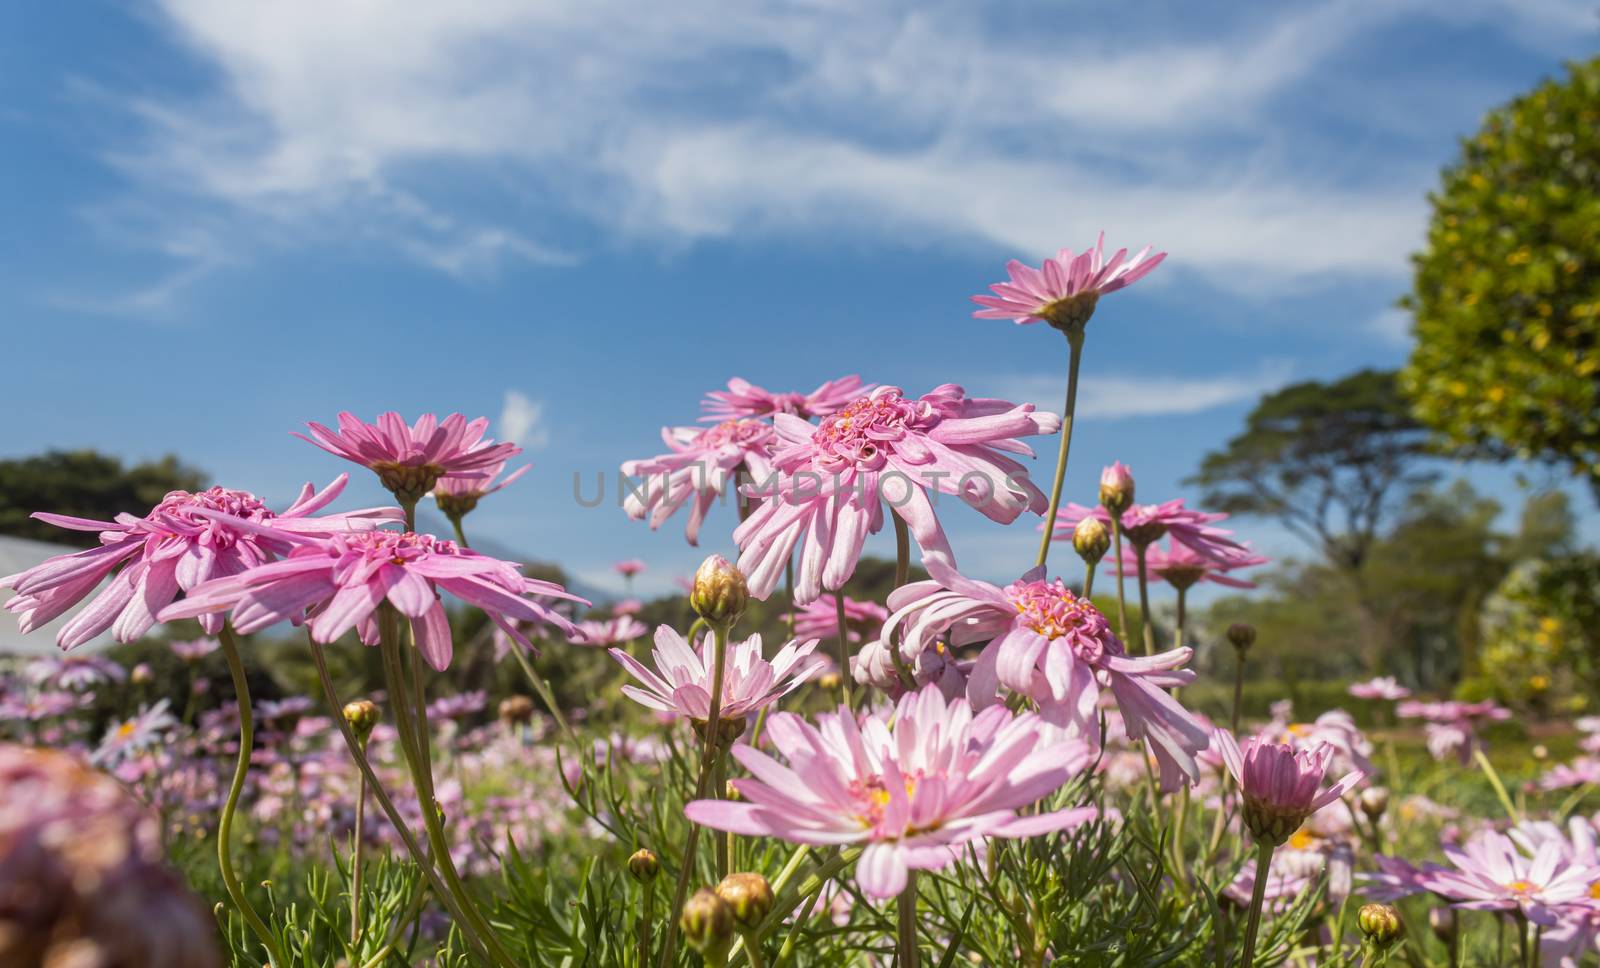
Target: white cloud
522,421
1113,397
913,120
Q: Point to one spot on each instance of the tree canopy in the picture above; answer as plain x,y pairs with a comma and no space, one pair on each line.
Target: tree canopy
1507,292
84,484
1328,460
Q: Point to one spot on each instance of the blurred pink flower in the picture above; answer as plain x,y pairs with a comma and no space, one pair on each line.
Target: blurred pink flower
134,734
1383,687
184,541
914,784
623,628
1145,524
681,681
409,460
1451,728
193,650
744,399
629,567
628,606
1280,784
1065,287
343,578
74,671
1491,874
820,619
1182,567
1583,771
700,463
459,493
833,479
1058,650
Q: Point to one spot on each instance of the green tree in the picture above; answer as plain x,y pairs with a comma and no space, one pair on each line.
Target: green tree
1327,460
1507,293
84,484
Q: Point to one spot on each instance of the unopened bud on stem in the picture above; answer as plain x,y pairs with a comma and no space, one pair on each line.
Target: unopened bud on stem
719,594
750,897
707,925
1116,488
644,866
363,716
1091,539
1242,635
1381,923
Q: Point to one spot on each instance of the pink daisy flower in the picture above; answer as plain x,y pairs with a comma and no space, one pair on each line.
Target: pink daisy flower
699,464
1383,687
132,735
832,481
183,542
622,628
820,619
458,494
914,784
1145,524
409,460
1058,650
74,671
342,579
1182,567
629,567
193,650
1064,290
745,399
1280,784
681,681
1491,874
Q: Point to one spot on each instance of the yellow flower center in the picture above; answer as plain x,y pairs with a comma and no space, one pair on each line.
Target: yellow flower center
1302,840
126,729
1520,887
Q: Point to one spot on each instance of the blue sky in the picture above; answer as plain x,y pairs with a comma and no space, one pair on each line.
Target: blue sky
225,219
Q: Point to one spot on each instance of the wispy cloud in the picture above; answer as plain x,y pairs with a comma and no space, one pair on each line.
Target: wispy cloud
918,120
522,421
1113,396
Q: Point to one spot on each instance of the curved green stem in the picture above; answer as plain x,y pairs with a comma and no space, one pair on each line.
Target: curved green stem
1253,926
1075,344
1122,598
1146,627
1499,787
247,733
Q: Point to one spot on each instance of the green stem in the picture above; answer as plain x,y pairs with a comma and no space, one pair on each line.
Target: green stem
844,643
1238,686
752,951
1183,594
1145,625
1499,788
355,857
424,863
1253,925
1088,580
902,571
647,923
1122,598
788,595
1075,345
908,922
247,733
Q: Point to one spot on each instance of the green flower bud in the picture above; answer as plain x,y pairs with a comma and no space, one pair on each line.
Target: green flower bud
363,716
1091,539
644,866
1381,923
719,594
750,897
1116,488
707,925
1242,635
1374,802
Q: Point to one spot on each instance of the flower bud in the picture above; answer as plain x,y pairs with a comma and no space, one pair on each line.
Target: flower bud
1442,920
516,710
644,866
1375,802
1381,923
1091,539
719,594
141,675
363,716
1242,635
728,730
750,897
1116,488
707,925
731,793
829,681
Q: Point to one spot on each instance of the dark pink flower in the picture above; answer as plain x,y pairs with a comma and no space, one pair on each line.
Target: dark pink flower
340,580
409,460
629,567
1064,290
820,619
1280,784
1145,524
700,463
745,399
1183,567
183,542
832,481
459,493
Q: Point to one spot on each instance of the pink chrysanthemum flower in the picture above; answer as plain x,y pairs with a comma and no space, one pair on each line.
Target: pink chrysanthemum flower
341,580
700,463
744,399
1491,874
1280,784
914,784
184,541
628,567
820,619
682,679
1182,567
622,628
1145,524
1383,687
1064,290
458,494
409,460
834,478
1058,650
